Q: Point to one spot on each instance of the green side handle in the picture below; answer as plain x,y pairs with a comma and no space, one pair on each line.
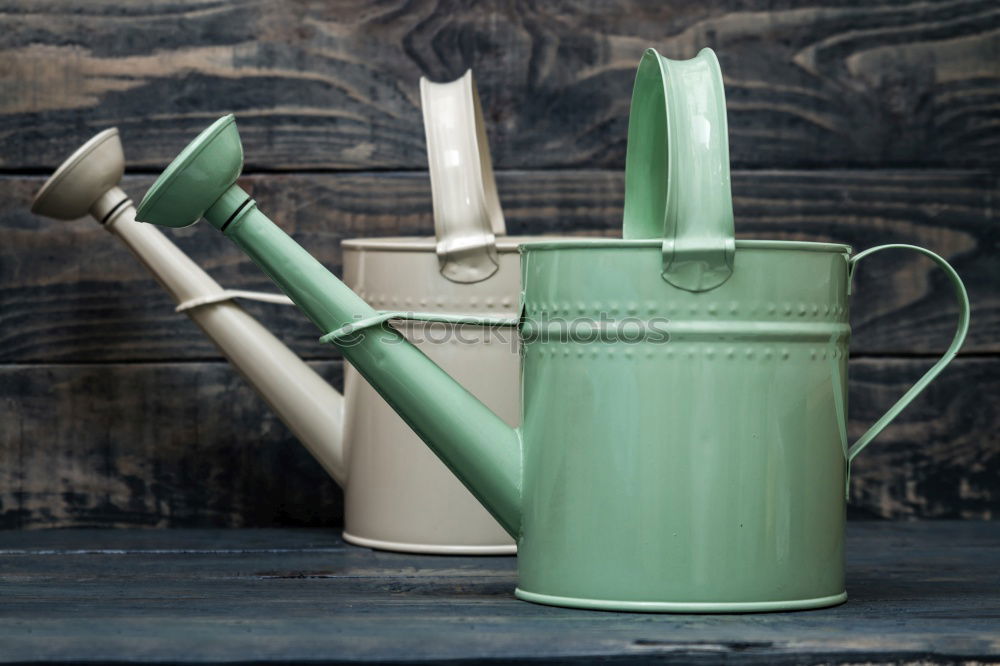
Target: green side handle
956,343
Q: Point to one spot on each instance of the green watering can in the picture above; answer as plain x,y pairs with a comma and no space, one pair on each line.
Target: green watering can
684,443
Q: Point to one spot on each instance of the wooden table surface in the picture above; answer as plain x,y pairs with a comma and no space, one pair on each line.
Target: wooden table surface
919,592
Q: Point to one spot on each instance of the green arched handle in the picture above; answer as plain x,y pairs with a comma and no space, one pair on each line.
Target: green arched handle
677,169
956,343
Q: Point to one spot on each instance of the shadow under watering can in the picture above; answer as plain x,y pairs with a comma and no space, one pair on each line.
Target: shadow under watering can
398,495
683,443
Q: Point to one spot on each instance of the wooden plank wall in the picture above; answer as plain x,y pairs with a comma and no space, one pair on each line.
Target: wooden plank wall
862,121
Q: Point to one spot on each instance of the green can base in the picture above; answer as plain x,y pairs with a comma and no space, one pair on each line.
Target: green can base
682,606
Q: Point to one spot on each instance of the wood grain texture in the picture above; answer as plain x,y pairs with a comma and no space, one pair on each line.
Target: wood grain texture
919,593
334,84
189,444
70,292
851,121
152,445
941,457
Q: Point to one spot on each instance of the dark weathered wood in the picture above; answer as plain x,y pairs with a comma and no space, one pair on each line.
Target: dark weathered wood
189,444
835,93
334,84
158,445
69,292
941,457
919,593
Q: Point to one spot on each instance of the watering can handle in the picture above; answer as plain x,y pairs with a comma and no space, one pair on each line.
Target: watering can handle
677,184
467,214
956,342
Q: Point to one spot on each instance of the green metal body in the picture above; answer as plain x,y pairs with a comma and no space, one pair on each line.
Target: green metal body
709,471
683,443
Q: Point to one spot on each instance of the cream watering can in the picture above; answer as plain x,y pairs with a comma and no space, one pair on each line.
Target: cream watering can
683,442
398,495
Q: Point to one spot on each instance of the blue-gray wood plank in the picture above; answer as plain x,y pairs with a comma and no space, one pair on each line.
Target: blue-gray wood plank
919,593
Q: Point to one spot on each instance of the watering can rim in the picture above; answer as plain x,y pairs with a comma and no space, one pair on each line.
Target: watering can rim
429,243
619,244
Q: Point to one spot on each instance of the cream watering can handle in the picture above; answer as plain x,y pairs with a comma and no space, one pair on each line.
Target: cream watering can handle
956,342
467,214
677,169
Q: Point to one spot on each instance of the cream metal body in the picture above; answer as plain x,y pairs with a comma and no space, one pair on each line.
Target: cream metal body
399,489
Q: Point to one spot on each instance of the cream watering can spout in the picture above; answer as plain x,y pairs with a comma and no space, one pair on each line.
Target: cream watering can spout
88,182
473,442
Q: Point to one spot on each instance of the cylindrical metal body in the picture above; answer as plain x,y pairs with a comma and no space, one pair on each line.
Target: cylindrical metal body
692,456
401,496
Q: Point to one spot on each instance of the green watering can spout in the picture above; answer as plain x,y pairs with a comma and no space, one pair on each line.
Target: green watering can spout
476,444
